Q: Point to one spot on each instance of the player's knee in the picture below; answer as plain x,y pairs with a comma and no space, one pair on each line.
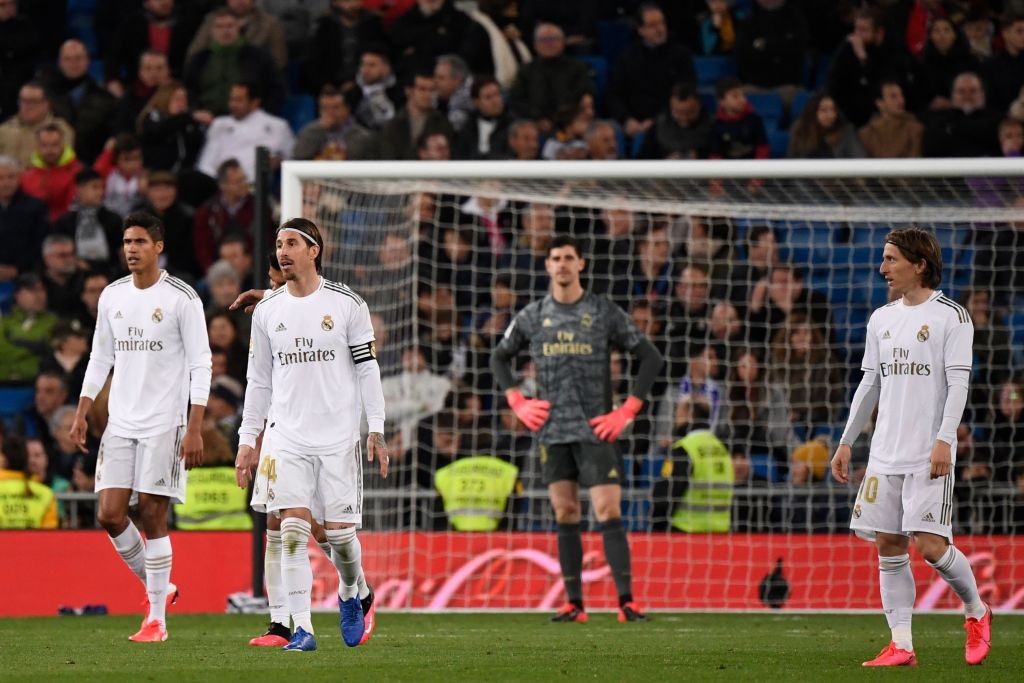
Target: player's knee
931,547
112,520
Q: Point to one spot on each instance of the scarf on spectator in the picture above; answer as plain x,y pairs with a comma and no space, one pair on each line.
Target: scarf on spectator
506,62
90,240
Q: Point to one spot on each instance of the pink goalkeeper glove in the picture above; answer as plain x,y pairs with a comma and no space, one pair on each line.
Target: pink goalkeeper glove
607,427
532,411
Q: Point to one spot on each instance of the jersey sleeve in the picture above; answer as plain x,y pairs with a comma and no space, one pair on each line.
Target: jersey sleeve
197,350
516,338
360,335
958,346
258,382
364,357
101,360
622,332
869,363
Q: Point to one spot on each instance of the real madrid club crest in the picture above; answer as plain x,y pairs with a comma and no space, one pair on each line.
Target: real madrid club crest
923,334
856,511
373,350
327,324
158,315
586,320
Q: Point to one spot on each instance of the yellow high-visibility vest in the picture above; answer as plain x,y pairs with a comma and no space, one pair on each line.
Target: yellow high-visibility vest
707,504
213,501
475,491
26,504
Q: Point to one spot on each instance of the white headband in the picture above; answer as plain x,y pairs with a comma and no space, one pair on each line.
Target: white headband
306,235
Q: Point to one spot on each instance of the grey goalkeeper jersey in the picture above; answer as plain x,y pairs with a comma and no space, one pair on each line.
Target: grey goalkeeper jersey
571,346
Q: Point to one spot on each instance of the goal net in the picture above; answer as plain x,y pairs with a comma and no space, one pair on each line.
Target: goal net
755,281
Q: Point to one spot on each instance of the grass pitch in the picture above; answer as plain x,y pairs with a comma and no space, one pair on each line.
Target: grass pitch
503,647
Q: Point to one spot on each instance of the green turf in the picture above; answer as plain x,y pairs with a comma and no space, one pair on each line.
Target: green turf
478,647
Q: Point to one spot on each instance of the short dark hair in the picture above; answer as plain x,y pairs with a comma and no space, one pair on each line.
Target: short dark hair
756,232
918,245
379,49
49,128
872,14
236,238
87,175
225,166
564,241
309,227
125,142
252,89
685,90
424,139
727,85
272,260
147,221
481,82
1009,19
15,453
165,178
58,375
885,83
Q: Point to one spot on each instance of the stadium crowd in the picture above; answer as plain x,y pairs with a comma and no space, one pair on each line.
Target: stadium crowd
116,105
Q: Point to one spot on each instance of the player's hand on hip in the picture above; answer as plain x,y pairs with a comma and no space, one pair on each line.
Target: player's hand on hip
79,429
377,448
533,412
245,465
192,448
249,299
942,459
841,464
609,426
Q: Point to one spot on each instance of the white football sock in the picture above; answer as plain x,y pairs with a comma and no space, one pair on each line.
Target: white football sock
899,591
326,547
132,550
955,568
348,558
277,598
296,570
158,576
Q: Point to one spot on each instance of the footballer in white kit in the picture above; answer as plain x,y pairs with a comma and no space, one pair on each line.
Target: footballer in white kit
151,330
917,365
312,373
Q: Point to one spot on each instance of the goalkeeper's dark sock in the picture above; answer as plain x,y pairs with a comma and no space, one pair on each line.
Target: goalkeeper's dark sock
570,557
616,553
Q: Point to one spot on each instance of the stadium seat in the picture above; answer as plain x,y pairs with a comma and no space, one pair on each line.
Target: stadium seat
598,67
708,100
299,110
636,145
778,141
612,37
1015,321
764,467
768,105
710,70
6,296
798,104
15,400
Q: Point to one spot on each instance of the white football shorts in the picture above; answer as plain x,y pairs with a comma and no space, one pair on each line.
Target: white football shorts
903,504
150,465
329,486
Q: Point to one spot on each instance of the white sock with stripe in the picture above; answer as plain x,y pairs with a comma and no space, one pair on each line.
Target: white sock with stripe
132,550
955,568
277,599
296,570
158,576
348,558
896,584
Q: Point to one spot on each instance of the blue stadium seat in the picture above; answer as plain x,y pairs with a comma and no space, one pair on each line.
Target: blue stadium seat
637,144
6,296
96,70
299,110
768,105
15,400
710,70
763,466
1015,321
778,141
598,67
798,104
708,100
612,37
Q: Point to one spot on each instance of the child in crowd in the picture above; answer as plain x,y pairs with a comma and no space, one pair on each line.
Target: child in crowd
738,132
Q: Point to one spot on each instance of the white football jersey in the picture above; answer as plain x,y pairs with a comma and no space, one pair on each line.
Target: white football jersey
155,340
910,348
303,352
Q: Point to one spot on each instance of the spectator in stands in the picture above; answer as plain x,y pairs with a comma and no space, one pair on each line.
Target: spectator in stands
494,42
222,284
60,274
50,393
28,504
893,132
65,451
697,401
646,71
41,469
211,73
549,82
489,324
433,147
1008,432
485,134
454,89
341,35
529,277
335,135
681,132
23,222
979,30
84,317
419,117
770,45
234,249
493,218
231,210
862,63
610,256
430,29
377,95
224,333
95,229
152,73
1005,72
821,132
968,128
222,410
762,257
781,295
465,267
51,177
1011,137
80,101
124,177
415,393
178,219
568,143
688,316
158,27
523,140
992,351
258,28
18,133
708,245
25,332
247,127
649,277
725,329
718,28
601,141
946,56
738,132
69,354
577,17
21,50
802,367
171,135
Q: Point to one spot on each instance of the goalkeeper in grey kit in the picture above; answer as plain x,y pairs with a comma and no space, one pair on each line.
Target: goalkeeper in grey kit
570,334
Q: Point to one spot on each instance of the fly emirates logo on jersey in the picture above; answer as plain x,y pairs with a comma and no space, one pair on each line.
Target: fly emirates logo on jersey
901,364
566,345
305,352
136,341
